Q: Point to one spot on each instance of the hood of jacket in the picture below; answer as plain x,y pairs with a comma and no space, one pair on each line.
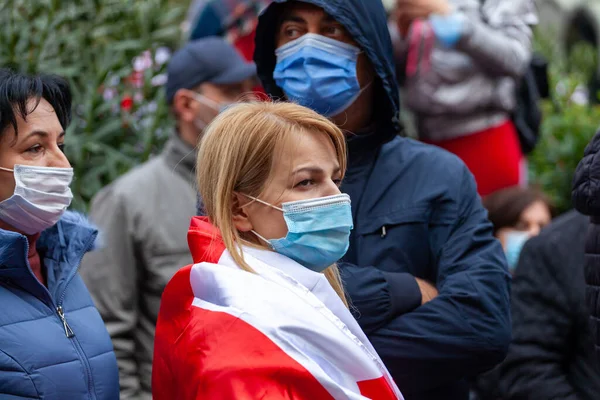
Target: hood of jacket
366,21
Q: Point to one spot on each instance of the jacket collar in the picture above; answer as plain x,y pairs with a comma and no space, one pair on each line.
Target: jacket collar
61,247
180,157
363,146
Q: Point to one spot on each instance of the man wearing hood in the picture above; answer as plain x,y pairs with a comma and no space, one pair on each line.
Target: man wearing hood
427,280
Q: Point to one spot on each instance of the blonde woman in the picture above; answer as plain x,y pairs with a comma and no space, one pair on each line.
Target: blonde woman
262,312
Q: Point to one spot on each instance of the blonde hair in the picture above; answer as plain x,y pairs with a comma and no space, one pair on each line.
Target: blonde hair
236,155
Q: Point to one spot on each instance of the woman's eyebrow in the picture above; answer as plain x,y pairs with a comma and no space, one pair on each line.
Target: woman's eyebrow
308,169
36,132
316,170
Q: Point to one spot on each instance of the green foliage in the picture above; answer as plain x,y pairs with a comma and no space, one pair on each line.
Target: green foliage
568,124
93,43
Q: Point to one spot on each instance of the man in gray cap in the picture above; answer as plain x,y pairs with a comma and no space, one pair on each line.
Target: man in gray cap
144,215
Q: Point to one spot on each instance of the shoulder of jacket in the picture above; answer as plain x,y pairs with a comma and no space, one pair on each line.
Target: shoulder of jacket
426,159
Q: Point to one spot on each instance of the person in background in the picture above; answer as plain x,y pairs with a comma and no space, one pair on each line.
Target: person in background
427,279
551,355
53,343
235,20
586,199
142,215
459,62
517,214
262,312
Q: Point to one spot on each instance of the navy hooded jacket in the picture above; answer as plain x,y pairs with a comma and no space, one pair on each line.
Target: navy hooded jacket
416,214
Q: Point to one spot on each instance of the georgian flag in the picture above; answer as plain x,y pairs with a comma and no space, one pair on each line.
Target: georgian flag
282,333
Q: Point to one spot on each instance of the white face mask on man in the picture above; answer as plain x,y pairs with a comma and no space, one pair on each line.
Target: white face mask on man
41,196
214,105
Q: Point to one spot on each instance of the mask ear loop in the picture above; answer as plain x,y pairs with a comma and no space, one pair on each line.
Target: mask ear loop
261,238
266,204
261,202
7,169
200,98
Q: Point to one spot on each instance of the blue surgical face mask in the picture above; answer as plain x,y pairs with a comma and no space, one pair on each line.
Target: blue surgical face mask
515,240
319,73
318,230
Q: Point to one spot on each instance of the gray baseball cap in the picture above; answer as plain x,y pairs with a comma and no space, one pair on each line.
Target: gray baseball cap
210,59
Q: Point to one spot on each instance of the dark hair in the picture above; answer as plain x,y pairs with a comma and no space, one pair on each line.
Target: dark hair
505,206
17,89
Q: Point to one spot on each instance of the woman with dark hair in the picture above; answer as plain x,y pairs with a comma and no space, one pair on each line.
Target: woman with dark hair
53,343
517,215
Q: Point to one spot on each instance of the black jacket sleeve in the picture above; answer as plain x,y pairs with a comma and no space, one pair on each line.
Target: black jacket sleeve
586,199
542,312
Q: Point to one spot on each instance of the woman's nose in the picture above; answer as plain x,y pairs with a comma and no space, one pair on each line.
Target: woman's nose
332,189
59,160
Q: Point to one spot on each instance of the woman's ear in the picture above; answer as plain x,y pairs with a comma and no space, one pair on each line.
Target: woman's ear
240,217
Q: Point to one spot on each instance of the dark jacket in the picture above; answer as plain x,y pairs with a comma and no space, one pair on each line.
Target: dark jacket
37,358
551,354
586,198
416,213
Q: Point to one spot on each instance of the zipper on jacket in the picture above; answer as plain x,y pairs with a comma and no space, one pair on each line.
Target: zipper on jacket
60,312
68,331
76,344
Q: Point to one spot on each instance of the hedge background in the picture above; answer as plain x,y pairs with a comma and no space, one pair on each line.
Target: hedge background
119,116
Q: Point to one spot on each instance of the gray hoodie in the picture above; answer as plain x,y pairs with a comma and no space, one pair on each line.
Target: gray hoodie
471,87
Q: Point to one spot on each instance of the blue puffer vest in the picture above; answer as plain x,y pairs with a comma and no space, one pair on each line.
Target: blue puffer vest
53,343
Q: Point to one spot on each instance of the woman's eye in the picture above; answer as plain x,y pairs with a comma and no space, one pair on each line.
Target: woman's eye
61,147
338,182
521,226
305,182
35,149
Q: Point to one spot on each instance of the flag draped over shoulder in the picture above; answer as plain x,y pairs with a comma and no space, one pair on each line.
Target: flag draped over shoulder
281,333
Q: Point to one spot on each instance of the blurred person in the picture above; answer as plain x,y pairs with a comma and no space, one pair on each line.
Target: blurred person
262,313
586,199
142,215
234,20
53,343
551,355
517,214
460,63
427,279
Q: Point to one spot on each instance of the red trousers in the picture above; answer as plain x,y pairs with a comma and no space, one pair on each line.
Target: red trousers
494,157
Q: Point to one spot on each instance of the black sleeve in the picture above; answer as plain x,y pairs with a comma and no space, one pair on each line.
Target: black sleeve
542,320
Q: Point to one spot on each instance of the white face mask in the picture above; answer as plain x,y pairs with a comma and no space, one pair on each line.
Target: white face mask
41,196
217,107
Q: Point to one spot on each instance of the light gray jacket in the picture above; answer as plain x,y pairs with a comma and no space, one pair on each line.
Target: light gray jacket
143,218
471,87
